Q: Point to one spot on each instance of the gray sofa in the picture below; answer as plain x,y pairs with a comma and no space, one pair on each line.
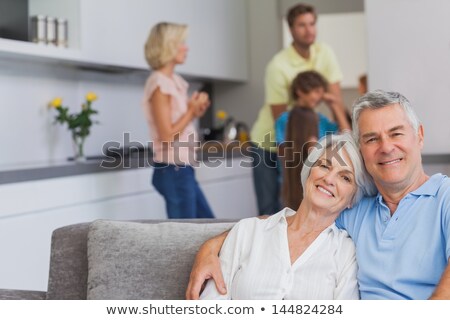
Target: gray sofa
106,259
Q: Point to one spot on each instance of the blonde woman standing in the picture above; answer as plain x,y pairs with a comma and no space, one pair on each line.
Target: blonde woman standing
170,114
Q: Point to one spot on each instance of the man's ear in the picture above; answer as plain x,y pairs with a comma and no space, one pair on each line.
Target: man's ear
420,134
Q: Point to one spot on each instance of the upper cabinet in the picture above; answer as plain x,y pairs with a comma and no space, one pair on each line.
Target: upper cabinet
112,34
217,38
113,31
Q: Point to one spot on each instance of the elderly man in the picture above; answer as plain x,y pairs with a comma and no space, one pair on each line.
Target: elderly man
402,235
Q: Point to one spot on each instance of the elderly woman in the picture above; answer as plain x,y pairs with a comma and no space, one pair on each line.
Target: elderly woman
170,115
302,254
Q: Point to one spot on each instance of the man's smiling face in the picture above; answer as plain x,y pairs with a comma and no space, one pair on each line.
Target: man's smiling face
390,147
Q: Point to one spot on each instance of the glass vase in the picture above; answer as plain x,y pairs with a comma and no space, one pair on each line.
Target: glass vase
78,144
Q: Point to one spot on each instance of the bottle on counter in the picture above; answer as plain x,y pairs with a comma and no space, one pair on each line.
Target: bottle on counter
38,29
51,31
61,33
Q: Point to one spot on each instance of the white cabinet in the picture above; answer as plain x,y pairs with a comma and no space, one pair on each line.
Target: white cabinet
113,32
218,39
109,34
66,9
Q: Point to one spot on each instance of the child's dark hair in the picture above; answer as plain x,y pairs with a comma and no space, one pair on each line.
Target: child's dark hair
307,81
303,124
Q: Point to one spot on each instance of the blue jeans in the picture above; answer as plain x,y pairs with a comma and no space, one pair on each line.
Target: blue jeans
266,180
183,196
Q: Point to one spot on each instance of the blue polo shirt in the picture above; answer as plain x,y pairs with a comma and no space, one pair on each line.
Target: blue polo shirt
403,256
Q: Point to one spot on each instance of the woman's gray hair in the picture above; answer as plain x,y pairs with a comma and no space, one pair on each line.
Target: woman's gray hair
337,143
163,42
378,99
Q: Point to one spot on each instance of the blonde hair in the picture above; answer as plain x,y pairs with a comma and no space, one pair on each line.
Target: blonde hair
162,43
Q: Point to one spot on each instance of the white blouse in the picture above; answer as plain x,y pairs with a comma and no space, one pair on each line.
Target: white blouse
256,264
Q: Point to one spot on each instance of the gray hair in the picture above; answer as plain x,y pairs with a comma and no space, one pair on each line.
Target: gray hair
379,99
340,142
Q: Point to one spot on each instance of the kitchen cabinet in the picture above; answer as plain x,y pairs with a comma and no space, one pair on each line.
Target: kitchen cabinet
67,9
26,223
217,33
110,34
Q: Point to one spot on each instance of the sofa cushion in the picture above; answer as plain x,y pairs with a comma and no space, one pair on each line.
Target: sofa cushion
129,260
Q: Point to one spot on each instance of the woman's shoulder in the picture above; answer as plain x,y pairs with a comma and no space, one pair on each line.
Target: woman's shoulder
262,223
159,80
253,223
247,223
342,239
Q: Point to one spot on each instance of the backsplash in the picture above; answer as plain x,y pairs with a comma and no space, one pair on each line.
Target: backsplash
26,123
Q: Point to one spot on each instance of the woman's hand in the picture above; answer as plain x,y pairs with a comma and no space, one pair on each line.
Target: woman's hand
207,266
198,103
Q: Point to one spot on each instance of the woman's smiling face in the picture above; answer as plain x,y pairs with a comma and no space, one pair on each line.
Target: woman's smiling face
331,183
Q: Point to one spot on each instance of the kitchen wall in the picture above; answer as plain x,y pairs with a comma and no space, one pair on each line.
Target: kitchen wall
413,58
243,101
26,123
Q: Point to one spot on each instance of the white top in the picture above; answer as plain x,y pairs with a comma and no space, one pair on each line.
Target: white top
256,264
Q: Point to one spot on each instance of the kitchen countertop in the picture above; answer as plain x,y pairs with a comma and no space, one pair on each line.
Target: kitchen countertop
210,151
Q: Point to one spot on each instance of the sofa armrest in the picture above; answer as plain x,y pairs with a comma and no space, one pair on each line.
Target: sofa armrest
12,294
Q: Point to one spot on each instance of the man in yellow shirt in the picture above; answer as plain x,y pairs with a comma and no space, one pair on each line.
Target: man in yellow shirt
304,54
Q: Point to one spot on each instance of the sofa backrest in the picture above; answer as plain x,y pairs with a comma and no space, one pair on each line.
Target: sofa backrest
68,276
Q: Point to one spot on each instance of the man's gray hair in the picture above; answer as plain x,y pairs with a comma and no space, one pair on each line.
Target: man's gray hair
336,143
379,99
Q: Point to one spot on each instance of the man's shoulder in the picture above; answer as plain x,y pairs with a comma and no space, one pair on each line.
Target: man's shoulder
363,204
444,180
321,46
323,52
351,219
282,57
442,185
437,185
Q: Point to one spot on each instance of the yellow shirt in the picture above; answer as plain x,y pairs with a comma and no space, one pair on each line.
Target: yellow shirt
280,72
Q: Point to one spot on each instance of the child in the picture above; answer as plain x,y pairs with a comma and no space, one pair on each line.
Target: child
308,89
298,129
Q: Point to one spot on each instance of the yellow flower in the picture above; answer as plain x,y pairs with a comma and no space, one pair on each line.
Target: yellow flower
222,115
56,102
91,96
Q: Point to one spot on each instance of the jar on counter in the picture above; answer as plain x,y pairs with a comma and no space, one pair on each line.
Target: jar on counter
38,29
51,30
62,33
